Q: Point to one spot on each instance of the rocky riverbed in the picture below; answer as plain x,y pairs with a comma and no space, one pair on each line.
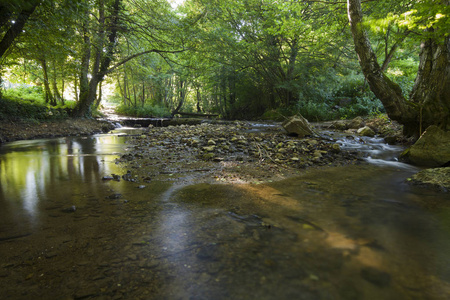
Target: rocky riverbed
235,152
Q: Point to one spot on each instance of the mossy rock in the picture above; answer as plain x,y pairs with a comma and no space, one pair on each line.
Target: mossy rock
438,178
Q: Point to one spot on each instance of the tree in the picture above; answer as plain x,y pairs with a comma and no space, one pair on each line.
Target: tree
429,101
116,21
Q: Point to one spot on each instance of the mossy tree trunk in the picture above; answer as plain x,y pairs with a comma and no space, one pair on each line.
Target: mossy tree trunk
429,102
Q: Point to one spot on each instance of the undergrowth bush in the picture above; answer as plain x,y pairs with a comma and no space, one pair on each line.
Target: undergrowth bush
28,103
31,94
145,111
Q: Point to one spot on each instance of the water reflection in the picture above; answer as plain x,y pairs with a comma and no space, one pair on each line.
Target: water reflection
355,232
54,169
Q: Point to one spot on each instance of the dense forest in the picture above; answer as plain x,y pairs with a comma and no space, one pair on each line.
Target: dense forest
239,59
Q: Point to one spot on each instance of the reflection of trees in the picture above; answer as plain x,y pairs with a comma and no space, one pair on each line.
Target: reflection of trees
54,170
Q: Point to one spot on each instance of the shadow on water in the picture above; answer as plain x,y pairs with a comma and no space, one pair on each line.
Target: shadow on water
354,232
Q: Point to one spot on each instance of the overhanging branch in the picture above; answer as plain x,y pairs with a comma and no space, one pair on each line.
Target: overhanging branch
110,70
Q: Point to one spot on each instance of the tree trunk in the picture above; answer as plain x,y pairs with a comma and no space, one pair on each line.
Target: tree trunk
430,103
431,91
17,27
181,99
199,98
56,94
48,92
102,59
99,97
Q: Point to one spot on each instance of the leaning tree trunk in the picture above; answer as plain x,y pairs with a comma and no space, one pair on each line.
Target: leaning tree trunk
429,103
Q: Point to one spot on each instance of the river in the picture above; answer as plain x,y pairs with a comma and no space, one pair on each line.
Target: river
352,232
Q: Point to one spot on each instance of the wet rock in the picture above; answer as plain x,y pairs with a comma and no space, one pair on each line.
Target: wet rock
391,139
376,277
431,149
317,154
208,252
438,178
209,148
336,148
298,126
148,264
107,178
366,131
114,196
339,125
356,123
50,254
208,156
86,292
132,257
70,209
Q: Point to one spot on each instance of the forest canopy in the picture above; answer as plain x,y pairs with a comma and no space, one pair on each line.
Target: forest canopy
237,58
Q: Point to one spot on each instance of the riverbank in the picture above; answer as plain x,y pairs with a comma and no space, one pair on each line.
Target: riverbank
28,130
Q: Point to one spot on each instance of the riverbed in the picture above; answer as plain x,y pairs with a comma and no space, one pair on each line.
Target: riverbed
77,221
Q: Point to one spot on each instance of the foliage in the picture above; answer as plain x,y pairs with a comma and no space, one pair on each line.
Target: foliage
28,103
32,94
145,111
241,59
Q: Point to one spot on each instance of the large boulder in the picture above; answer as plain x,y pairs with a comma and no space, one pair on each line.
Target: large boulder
298,125
432,149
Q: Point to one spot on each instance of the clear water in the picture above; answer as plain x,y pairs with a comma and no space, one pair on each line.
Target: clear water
354,232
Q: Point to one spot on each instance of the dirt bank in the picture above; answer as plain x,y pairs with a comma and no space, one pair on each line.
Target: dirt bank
27,130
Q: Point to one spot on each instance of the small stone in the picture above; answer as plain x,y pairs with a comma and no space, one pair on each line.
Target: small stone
50,254
211,142
317,154
336,148
208,156
70,209
209,148
376,277
312,142
132,257
150,264
141,187
114,196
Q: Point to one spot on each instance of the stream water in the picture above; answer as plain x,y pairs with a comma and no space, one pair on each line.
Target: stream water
353,232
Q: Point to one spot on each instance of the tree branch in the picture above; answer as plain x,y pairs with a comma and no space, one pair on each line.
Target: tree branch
113,68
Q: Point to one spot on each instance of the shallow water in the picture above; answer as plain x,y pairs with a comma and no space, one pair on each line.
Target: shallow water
354,232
